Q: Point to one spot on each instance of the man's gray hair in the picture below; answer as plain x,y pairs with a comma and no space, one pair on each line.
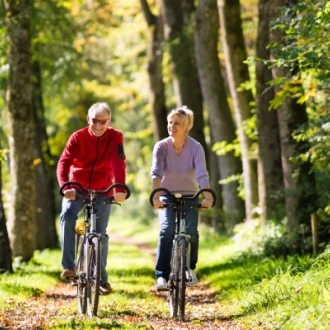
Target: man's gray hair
99,107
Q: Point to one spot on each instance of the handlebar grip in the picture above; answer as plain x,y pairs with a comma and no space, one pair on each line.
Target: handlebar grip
206,190
121,185
85,192
75,184
153,193
187,198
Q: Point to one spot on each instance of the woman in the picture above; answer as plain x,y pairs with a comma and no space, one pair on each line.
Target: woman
179,165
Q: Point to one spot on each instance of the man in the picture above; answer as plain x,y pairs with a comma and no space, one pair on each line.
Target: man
93,156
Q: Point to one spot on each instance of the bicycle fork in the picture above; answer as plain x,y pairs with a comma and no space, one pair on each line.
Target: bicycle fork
184,235
177,254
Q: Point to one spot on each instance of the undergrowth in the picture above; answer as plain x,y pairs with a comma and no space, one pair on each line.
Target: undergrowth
258,290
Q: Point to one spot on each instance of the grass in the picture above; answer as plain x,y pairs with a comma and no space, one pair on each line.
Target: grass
269,293
259,292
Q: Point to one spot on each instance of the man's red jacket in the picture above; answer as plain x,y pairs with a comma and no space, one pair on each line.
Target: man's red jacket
94,162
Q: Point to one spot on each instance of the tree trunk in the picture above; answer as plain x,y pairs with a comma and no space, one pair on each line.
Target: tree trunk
217,218
270,170
46,236
155,61
221,121
237,74
299,183
178,33
5,250
21,130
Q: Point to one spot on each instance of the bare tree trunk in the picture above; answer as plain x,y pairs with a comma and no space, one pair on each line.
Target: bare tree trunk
46,236
155,61
5,250
237,73
21,130
221,121
181,47
299,184
270,170
217,217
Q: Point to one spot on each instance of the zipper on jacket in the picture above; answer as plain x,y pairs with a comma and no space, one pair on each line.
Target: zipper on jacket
97,155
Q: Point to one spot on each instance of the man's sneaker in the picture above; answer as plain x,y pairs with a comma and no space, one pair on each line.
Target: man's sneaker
161,284
192,280
105,289
68,274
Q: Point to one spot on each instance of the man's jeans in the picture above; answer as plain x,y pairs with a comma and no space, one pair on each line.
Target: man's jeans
165,242
69,215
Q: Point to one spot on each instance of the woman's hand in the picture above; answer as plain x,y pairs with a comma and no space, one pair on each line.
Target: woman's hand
157,203
207,203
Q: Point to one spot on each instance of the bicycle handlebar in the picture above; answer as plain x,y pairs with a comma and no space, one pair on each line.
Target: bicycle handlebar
86,192
182,196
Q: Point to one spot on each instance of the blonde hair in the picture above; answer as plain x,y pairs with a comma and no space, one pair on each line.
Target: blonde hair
185,115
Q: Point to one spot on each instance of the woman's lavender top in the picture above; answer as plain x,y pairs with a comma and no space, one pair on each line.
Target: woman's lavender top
184,173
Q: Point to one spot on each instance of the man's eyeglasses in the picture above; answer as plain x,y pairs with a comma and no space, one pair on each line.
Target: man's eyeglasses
101,122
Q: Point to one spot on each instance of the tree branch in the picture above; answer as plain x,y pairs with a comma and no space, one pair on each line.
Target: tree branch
149,16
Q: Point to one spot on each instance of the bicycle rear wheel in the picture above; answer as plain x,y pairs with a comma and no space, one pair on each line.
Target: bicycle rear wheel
182,278
81,273
174,282
93,276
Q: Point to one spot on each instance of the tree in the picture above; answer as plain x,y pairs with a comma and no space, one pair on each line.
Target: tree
178,33
291,116
21,129
214,94
155,67
238,74
270,170
5,250
46,236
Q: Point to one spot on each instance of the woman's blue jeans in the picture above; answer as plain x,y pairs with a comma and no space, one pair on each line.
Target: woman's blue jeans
166,236
68,217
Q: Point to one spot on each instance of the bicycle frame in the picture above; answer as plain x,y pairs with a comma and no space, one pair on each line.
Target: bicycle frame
181,217
88,247
180,260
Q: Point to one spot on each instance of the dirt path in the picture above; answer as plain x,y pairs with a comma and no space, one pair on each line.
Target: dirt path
202,309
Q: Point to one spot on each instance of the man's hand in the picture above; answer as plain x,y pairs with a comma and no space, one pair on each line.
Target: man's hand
119,197
157,203
70,194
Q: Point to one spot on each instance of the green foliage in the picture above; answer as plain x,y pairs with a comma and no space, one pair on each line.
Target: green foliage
223,147
266,292
305,49
253,290
3,153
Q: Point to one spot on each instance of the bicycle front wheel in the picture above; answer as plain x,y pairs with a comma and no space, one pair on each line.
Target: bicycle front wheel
182,278
174,282
81,261
93,276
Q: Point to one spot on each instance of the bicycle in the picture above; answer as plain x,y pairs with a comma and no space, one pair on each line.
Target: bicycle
180,259
88,247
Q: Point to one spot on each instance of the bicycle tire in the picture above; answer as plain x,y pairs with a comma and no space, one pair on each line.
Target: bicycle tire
182,278
81,274
93,276
174,282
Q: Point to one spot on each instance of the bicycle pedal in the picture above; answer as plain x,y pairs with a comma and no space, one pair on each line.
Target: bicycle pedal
74,282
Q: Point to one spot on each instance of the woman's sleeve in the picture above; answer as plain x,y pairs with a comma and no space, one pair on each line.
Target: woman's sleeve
157,167
202,175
